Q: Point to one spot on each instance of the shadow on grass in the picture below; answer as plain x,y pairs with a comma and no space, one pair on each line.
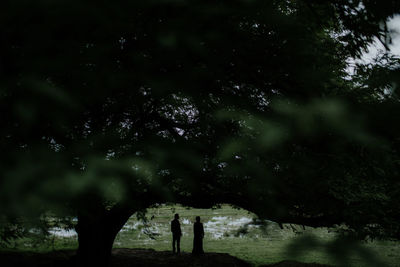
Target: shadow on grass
137,257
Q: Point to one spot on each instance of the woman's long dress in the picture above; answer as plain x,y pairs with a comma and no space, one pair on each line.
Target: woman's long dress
198,238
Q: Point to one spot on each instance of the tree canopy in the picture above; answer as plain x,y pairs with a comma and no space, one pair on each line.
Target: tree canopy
108,108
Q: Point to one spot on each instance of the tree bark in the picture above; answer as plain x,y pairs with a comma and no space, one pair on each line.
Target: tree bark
96,235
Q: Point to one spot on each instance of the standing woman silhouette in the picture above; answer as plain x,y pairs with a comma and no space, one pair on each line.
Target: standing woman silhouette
198,237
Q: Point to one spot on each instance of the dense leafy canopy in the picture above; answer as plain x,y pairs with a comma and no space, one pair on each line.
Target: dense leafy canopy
109,107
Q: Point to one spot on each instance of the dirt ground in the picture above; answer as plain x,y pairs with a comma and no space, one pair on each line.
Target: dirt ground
134,257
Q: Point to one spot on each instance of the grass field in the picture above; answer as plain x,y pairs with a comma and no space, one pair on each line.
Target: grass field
237,232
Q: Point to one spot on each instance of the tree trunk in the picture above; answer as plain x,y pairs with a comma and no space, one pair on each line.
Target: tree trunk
95,244
96,234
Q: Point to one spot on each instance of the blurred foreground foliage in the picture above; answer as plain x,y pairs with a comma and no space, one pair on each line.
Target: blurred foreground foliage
108,108
340,249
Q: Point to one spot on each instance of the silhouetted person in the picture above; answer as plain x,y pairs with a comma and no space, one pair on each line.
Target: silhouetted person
198,237
176,234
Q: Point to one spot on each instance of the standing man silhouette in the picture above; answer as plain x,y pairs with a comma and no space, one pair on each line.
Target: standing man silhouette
198,237
176,234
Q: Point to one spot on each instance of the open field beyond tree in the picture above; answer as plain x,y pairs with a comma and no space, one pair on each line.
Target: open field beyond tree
233,231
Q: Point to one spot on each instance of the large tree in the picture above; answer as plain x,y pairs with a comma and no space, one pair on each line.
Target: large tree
108,108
